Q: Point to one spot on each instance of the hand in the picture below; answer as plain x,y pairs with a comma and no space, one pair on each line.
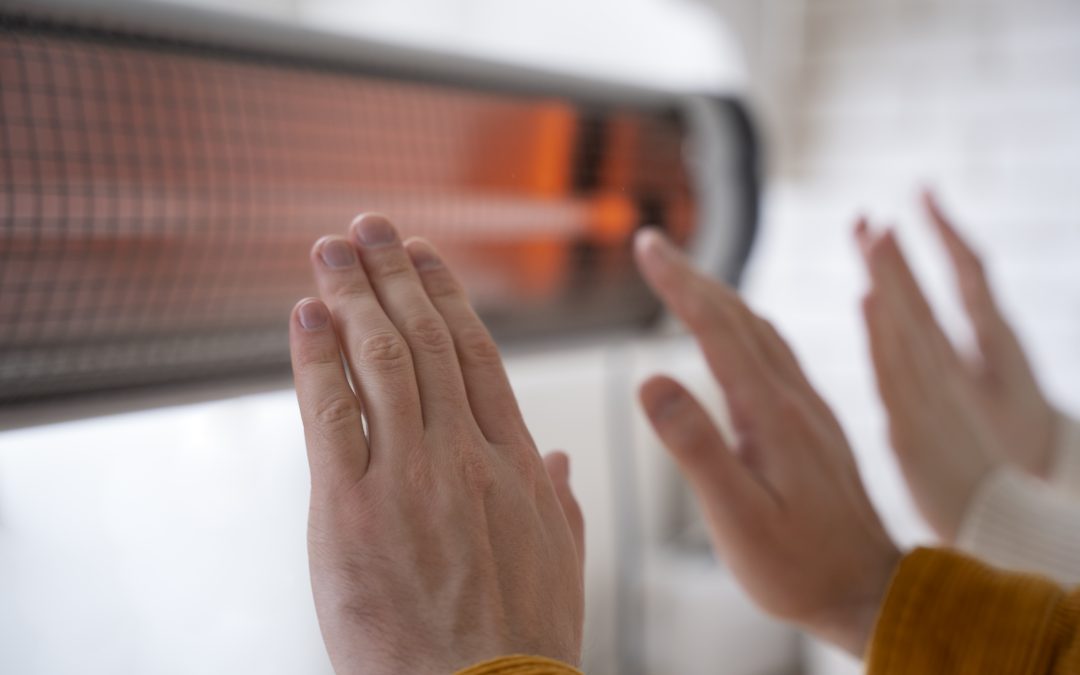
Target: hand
783,498
436,537
1006,389
941,436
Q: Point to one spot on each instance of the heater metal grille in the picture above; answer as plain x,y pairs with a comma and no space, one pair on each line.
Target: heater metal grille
158,198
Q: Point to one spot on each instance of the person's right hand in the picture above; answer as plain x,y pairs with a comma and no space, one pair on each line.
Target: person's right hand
437,537
784,501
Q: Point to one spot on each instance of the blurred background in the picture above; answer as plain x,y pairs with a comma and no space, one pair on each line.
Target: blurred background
171,539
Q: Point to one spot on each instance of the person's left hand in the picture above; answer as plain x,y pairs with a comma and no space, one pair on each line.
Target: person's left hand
437,538
942,436
999,370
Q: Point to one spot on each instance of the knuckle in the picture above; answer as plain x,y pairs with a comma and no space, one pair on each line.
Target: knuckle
527,465
383,350
477,472
354,288
394,267
429,332
478,348
315,356
442,286
336,412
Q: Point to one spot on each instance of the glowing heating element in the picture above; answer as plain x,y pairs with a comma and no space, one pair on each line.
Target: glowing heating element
158,201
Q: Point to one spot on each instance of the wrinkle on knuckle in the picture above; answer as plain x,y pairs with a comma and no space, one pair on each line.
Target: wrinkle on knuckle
394,267
478,348
353,290
429,332
477,472
383,351
314,357
336,412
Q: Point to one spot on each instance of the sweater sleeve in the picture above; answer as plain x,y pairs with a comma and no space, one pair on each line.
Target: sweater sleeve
946,613
1065,465
1022,523
520,665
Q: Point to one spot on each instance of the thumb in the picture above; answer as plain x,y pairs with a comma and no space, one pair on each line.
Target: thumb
724,485
558,468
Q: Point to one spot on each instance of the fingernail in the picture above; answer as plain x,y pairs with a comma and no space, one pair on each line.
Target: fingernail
375,231
313,315
337,253
423,258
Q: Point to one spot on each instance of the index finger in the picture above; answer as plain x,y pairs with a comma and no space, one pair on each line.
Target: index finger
716,322
975,290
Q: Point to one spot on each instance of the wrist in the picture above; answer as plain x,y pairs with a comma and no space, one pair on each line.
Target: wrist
849,623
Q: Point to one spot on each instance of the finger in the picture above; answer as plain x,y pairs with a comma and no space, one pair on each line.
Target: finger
780,353
337,449
558,468
974,288
376,353
398,287
490,395
992,332
891,364
882,309
864,237
727,489
717,321
904,299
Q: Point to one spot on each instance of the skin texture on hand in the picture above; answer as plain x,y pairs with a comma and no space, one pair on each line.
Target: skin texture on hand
438,537
951,419
786,508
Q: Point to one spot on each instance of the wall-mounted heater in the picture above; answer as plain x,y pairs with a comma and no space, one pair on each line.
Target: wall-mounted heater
164,171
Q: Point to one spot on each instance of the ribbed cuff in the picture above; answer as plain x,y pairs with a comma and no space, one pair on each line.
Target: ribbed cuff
520,665
1021,523
946,613
1065,465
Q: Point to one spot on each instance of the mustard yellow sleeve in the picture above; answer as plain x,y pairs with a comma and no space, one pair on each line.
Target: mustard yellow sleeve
520,665
947,613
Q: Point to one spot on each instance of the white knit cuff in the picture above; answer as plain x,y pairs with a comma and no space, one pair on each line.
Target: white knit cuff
1065,464
1018,522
